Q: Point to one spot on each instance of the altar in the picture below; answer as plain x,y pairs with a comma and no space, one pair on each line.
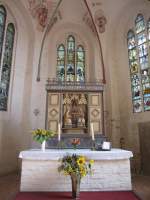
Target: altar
111,170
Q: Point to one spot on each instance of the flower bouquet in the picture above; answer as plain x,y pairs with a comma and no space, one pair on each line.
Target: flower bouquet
42,135
76,167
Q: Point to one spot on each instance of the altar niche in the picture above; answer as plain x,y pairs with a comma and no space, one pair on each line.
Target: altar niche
75,113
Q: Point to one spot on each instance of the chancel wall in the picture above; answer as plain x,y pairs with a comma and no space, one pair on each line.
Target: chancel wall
27,99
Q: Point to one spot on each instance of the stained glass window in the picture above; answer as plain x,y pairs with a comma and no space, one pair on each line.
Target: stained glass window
70,73
80,63
2,28
6,52
138,41
61,62
6,67
71,61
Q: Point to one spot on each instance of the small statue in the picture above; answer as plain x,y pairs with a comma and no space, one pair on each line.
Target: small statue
67,118
81,120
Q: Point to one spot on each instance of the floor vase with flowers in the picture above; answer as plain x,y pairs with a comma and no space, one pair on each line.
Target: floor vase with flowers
76,167
75,180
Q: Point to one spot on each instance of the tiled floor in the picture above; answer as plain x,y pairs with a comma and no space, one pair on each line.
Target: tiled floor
9,186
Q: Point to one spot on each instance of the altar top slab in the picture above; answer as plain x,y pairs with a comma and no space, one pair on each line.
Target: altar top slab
55,154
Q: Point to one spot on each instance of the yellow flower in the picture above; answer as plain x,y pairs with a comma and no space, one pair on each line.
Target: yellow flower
66,173
83,171
81,160
44,132
91,162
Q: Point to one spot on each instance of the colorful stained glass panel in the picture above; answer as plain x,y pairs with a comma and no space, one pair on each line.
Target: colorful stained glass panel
2,28
61,62
137,106
136,92
147,104
135,80
6,67
148,29
139,23
131,40
143,51
132,54
70,59
141,38
80,64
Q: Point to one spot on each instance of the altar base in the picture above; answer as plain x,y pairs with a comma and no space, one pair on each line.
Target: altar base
111,171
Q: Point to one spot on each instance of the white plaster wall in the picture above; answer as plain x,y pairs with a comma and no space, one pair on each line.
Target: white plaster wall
126,121
13,121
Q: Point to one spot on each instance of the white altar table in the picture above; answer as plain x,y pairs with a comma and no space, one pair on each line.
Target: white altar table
111,170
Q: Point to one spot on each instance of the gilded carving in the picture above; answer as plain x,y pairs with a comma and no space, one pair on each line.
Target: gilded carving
74,109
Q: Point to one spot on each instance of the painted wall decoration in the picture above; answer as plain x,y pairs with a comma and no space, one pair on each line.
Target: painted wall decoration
100,20
41,10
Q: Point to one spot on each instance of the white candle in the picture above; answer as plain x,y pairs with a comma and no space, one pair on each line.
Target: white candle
92,131
59,132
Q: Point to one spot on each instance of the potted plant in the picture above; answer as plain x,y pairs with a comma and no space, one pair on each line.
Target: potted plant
77,167
42,135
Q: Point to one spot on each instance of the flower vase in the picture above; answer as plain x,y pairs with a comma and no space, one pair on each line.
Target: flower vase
43,145
75,179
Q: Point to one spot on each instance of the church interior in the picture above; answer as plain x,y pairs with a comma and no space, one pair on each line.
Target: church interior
68,64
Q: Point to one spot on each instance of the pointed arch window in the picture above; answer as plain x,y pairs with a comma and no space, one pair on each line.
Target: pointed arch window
138,40
80,70
7,34
2,27
61,62
71,61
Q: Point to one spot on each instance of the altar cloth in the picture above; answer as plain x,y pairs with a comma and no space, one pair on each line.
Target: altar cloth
55,154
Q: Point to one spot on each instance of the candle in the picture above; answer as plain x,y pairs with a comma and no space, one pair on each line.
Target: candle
92,131
59,132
